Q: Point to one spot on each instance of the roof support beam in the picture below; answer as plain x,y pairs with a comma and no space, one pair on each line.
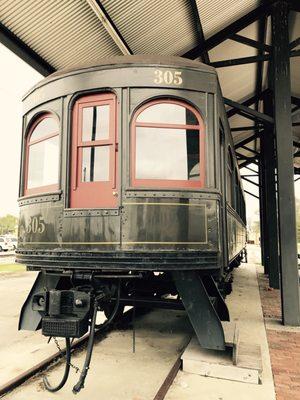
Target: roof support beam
247,140
252,43
252,170
251,150
109,26
249,180
294,43
248,112
251,194
250,161
17,46
248,60
262,36
246,103
243,128
240,61
199,30
295,53
231,29
290,293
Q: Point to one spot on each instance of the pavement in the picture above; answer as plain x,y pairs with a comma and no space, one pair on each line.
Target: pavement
19,350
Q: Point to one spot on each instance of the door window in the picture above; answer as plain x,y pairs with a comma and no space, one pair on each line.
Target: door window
94,148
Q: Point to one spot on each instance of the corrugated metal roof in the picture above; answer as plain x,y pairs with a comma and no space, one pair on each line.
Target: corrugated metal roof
62,32
217,14
154,27
67,33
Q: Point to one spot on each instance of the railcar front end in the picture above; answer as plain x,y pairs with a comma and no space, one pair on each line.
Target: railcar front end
123,198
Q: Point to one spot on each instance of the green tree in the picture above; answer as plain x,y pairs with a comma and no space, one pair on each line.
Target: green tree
8,224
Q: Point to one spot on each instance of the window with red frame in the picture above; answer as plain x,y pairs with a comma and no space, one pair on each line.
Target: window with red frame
42,156
167,145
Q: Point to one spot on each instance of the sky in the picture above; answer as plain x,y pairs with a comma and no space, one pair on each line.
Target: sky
16,78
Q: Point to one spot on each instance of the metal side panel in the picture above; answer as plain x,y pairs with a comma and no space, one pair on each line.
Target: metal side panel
200,310
30,320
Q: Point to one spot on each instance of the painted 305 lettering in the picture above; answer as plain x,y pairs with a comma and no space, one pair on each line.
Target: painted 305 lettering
168,77
36,225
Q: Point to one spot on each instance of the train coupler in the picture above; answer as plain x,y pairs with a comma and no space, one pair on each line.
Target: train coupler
66,312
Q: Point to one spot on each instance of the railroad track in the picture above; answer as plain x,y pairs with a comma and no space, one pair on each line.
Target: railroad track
43,365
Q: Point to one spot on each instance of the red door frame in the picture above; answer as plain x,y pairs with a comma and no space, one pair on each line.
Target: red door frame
168,183
100,194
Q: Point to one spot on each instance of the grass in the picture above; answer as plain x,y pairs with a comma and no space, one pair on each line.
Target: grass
12,268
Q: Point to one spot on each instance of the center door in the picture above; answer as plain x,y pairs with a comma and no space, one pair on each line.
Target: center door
94,147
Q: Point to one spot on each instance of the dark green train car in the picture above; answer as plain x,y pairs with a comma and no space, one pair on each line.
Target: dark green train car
129,194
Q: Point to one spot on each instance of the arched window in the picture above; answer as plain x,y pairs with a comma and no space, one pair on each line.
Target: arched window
167,146
42,154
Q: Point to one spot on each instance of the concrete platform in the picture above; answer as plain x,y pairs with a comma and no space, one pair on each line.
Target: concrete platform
245,309
241,361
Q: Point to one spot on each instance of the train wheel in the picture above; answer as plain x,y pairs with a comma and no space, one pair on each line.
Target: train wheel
108,309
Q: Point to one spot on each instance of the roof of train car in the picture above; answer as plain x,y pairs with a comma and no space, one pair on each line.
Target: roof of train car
55,35
121,61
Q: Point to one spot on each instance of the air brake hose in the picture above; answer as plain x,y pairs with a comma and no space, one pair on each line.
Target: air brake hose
66,373
80,384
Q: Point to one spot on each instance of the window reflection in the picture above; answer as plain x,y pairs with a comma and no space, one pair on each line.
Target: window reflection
43,163
168,113
163,153
95,164
95,123
47,126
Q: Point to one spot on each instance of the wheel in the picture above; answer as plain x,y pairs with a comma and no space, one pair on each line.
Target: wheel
108,309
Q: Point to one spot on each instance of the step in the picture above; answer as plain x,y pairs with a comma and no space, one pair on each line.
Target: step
240,361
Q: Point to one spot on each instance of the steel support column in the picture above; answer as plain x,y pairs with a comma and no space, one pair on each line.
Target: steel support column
285,168
262,208
268,157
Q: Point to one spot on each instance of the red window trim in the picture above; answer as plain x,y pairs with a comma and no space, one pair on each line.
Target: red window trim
40,189
167,183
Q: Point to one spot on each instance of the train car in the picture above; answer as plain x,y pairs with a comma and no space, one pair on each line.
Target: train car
130,194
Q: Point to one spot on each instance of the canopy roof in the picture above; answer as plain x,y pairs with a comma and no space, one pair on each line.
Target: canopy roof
54,35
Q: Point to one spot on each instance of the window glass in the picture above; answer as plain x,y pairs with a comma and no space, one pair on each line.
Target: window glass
171,154
95,164
43,163
47,126
168,113
95,123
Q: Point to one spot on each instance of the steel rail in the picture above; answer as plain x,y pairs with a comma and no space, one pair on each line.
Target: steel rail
42,365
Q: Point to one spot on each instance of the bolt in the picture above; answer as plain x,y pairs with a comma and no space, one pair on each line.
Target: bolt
78,303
